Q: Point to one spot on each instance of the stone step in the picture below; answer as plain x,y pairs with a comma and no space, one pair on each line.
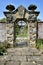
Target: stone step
21,63
20,58
28,63
23,51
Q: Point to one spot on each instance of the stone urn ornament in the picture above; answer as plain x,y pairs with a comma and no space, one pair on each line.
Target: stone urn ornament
10,7
32,7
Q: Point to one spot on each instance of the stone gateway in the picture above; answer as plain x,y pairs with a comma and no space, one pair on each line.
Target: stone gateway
20,14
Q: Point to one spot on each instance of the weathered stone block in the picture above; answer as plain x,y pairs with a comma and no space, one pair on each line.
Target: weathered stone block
35,51
1,63
18,58
17,51
28,63
40,62
12,63
10,25
26,53
33,58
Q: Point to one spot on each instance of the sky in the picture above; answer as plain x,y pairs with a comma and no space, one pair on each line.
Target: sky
25,3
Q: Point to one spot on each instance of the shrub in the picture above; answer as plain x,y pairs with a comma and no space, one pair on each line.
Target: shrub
39,43
2,48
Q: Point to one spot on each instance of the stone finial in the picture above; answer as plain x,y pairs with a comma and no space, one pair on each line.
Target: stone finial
10,7
32,7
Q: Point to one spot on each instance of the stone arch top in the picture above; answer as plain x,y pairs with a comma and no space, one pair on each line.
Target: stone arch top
20,12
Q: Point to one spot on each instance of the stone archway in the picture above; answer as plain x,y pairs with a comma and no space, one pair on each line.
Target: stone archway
21,13
22,38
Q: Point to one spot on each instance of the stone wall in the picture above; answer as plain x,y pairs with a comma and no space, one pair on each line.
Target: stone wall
2,32
40,30
7,32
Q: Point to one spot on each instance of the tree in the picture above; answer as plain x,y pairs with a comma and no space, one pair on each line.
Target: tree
3,20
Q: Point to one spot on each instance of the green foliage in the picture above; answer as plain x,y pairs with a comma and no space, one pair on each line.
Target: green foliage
2,48
3,20
39,43
17,29
21,32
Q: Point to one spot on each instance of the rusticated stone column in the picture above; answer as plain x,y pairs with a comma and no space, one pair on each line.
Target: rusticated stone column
10,33
32,33
10,24
33,22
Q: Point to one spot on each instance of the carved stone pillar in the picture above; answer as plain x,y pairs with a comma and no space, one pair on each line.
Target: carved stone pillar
32,33
10,33
9,28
